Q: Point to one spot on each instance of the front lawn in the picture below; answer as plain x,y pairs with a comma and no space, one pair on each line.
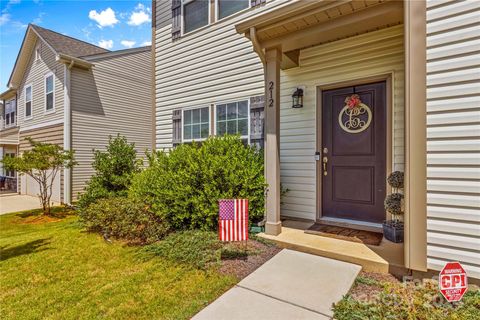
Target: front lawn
51,268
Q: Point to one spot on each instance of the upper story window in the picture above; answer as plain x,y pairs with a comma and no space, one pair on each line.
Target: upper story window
37,53
196,124
232,118
28,101
229,7
10,110
195,14
49,92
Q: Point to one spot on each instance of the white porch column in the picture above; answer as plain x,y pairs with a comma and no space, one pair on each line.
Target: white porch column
273,57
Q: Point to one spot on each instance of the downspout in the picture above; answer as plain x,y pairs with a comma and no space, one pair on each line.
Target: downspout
256,46
67,132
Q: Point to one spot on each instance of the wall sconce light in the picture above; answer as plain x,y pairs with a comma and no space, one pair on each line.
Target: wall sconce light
297,98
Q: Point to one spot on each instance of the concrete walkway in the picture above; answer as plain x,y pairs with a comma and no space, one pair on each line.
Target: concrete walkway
291,285
13,202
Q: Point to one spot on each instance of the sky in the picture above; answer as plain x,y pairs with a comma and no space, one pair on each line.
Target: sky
113,25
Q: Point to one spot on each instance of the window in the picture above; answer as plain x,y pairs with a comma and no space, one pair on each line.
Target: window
232,118
37,53
28,101
10,173
196,124
49,92
10,109
229,7
195,14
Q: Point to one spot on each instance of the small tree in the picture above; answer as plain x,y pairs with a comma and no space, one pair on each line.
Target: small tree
42,163
114,169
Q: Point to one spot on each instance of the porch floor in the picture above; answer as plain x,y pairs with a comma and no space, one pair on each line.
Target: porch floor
372,258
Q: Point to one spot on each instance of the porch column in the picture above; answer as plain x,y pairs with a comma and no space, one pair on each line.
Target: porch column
415,136
273,58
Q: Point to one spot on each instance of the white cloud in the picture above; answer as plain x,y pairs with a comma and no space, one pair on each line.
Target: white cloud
147,43
140,15
105,44
105,18
127,43
4,18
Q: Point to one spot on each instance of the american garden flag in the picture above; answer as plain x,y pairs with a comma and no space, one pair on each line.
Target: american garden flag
233,220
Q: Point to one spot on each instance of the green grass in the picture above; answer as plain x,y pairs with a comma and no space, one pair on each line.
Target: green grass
55,270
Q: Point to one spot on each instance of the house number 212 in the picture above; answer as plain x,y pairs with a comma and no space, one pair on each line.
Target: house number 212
270,93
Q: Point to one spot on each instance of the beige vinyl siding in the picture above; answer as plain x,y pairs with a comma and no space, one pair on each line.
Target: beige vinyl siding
114,97
9,136
48,134
35,75
453,134
212,64
371,54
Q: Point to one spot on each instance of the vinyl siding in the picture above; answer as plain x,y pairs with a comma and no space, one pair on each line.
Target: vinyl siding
453,134
114,97
371,54
48,134
9,136
212,64
35,75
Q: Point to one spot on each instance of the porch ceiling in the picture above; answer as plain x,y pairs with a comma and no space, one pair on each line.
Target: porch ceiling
302,24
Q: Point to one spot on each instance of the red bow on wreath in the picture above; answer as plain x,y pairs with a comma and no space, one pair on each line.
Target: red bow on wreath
353,101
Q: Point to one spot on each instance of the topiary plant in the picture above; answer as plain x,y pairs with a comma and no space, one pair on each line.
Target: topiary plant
393,202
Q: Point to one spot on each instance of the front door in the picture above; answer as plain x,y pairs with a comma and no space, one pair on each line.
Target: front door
354,152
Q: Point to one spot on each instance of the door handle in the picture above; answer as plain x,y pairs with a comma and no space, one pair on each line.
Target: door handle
324,162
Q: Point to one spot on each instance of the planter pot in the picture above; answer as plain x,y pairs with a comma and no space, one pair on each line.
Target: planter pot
393,231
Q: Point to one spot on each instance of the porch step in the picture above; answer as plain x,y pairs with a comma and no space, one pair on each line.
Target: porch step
357,253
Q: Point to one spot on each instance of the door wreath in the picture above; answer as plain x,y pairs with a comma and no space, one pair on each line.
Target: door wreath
351,117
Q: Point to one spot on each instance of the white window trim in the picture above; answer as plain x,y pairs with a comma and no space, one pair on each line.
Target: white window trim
9,154
209,123
182,24
45,93
217,11
25,102
14,123
248,116
38,51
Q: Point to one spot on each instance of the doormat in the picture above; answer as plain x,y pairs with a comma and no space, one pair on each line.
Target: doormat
342,233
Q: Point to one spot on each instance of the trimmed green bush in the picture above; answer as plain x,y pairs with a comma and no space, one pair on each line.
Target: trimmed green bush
184,186
123,218
114,170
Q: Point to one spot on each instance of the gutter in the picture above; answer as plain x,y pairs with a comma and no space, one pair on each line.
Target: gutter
67,131
80,63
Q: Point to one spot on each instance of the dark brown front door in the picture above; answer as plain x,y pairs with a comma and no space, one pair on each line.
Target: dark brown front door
353,177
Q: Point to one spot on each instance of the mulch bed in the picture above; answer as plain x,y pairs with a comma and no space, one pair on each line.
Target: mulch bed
258,254
342,233
369,292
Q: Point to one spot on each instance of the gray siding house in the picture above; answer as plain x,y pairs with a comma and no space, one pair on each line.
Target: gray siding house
416,62
66,91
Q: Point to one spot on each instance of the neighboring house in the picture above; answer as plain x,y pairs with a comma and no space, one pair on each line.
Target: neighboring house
413,63
72,93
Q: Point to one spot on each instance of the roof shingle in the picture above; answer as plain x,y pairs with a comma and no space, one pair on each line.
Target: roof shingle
67,45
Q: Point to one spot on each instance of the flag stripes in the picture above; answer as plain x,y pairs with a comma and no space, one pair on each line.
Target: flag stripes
233,220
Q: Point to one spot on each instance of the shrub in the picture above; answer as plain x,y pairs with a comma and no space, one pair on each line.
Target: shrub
193,247
410,301
113,171
184,186
123,218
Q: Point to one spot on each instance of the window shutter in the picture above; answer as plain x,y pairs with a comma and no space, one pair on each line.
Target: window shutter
255,3
177,127
176,19
257,120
